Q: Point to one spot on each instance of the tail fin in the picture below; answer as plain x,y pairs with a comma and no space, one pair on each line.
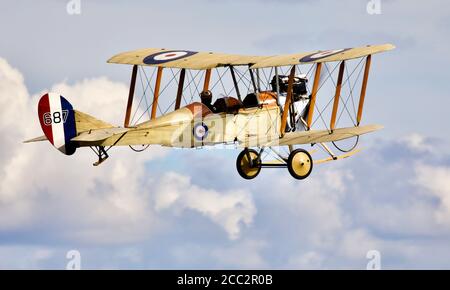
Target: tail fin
60,122
57,119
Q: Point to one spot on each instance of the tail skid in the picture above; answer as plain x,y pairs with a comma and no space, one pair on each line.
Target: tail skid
101,153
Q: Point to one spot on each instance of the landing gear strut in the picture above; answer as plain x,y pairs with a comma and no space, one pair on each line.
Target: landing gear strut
299,163
101,153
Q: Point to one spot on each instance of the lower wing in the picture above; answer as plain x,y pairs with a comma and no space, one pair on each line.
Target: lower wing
322,136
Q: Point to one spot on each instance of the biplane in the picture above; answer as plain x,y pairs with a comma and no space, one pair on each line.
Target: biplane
269,106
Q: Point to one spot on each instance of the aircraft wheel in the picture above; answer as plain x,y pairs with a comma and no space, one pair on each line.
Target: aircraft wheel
243,164
300,164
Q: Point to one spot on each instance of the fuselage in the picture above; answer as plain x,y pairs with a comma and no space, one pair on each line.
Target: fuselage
195,125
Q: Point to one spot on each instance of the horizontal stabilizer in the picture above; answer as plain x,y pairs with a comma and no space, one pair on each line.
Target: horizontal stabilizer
37,139
99,134
85,122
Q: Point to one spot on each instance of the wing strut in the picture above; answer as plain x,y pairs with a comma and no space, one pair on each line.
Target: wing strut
277,82
207,80
288,101
363,88
258,80
180,88
236,87
314,94
156,94
337,95
252,76
126,123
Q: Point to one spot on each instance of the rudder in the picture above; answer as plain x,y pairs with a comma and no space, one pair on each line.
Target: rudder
57,119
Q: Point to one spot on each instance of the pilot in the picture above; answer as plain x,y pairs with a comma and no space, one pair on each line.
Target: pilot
206,97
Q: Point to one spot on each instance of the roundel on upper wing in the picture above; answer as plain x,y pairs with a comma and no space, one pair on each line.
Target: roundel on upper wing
166,56
321,54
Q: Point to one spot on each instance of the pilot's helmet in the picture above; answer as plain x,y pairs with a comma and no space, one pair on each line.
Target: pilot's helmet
206,97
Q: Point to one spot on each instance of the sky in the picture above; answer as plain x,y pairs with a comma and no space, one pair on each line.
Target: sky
172,209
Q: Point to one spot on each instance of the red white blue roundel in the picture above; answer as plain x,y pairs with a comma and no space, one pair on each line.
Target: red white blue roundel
321,54
200,131
165,56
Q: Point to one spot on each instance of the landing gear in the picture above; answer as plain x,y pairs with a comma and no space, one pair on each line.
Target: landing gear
300,164
248,164
101,153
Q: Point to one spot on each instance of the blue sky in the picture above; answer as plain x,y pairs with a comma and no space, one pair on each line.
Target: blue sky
190,209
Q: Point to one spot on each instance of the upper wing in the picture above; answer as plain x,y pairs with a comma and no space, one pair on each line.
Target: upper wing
318,136
322,56
182,58
204,60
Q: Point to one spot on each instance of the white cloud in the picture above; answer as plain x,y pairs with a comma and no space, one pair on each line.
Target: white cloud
316,205
100,97
417,142
308,260
355,244
40,185
72,201
229,209
436,179
312,221
327,221
25,257
245,255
